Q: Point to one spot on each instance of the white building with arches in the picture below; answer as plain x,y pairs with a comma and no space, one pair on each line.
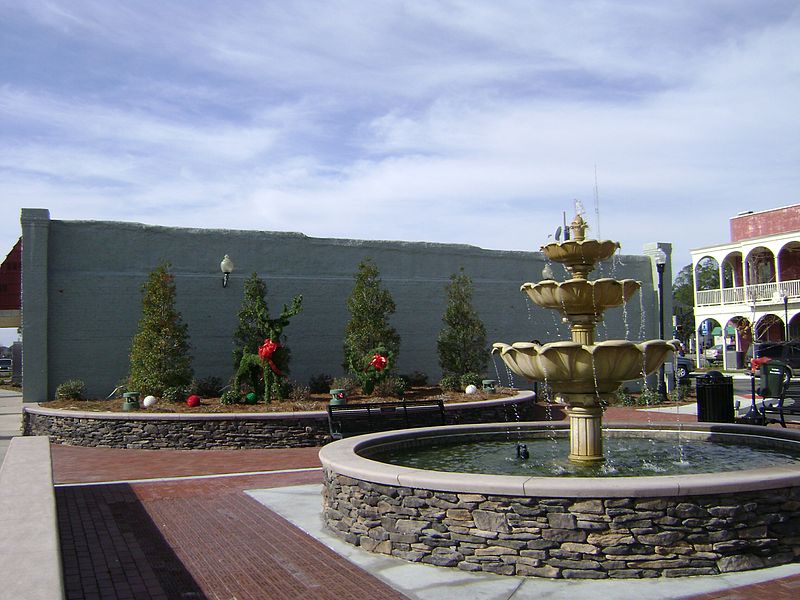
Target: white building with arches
748,290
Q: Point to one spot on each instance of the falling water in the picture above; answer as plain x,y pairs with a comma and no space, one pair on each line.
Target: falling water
641,317
510,377
625,317
529,306
496,369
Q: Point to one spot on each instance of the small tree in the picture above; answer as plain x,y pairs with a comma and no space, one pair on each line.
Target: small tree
368,332
159,357
462,342
264,365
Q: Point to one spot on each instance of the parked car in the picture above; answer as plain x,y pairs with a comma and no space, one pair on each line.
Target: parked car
683,366
786,352
5,367
714,354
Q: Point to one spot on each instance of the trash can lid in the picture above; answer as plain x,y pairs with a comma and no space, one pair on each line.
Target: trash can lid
714,375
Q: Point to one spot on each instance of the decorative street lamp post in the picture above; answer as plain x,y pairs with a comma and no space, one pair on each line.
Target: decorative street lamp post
661,261
785,317
226,266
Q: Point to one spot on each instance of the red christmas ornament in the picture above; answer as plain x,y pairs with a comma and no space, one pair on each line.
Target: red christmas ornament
193,400
379,362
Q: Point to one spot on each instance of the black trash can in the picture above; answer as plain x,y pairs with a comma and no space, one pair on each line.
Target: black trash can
771,379
714,398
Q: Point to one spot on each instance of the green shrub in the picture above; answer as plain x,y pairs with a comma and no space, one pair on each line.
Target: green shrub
208,387
159,356
648,397
470,379
71,390
176,393
368,331
461,343
450,383
300,393
320,384
623,397
416,378
230,397
348,384
394,387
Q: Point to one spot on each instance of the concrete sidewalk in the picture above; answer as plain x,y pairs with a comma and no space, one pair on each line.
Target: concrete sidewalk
10,419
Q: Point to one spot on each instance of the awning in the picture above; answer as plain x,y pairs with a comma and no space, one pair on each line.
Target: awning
729,330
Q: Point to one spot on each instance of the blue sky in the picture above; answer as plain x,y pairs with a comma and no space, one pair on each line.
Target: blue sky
471,122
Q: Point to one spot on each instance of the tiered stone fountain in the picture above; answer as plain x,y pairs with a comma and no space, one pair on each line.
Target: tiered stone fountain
582,373
411,493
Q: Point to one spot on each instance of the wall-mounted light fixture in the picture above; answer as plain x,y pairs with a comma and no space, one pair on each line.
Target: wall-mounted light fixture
227,268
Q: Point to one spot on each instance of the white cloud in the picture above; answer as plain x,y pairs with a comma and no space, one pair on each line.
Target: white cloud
460,121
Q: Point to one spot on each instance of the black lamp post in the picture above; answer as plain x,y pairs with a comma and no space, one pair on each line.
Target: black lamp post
661,261
785,317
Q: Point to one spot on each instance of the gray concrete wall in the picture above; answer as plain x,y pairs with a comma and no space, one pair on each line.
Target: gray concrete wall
83,290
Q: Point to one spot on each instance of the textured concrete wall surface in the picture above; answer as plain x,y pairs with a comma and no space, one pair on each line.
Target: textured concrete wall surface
82,296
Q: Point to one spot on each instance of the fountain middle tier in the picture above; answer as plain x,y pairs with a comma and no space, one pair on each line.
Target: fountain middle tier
580,296
572,368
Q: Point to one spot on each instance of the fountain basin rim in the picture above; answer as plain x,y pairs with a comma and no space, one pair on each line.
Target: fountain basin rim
342,458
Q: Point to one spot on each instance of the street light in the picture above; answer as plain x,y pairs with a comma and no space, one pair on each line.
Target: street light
785,317
661,260
226,266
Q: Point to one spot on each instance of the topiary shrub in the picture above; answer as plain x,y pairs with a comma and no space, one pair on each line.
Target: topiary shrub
261,336
71,390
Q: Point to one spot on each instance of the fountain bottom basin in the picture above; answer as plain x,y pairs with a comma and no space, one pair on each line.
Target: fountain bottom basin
567,527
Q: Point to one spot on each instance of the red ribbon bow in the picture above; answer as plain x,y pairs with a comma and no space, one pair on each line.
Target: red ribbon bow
265,352
379,362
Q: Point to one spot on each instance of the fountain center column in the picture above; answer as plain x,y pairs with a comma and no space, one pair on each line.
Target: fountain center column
585,431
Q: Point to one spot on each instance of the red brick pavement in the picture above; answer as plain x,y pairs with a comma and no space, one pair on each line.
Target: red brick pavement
205,538
197,538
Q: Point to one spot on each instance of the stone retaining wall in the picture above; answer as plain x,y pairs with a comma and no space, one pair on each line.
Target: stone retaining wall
582,538
232,430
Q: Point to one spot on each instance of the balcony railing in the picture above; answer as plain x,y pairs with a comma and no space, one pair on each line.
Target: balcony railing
759,293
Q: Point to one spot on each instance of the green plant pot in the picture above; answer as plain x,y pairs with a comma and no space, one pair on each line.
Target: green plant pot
338,397
131,401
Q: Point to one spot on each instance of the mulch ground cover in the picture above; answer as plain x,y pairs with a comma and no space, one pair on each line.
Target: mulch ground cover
314,402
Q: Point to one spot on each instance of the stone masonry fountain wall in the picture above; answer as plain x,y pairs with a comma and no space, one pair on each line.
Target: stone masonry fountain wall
579,528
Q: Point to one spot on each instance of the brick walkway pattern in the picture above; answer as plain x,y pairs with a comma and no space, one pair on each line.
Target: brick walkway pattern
205,538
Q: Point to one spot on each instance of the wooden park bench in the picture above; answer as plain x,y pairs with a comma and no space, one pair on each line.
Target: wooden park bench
787,405
346,420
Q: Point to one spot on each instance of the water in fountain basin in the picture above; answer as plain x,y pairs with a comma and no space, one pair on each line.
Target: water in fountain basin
625,456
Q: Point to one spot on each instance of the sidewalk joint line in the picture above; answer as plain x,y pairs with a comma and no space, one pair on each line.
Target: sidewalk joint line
187,477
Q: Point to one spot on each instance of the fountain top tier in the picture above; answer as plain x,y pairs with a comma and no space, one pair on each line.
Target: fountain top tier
579,255
581,373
